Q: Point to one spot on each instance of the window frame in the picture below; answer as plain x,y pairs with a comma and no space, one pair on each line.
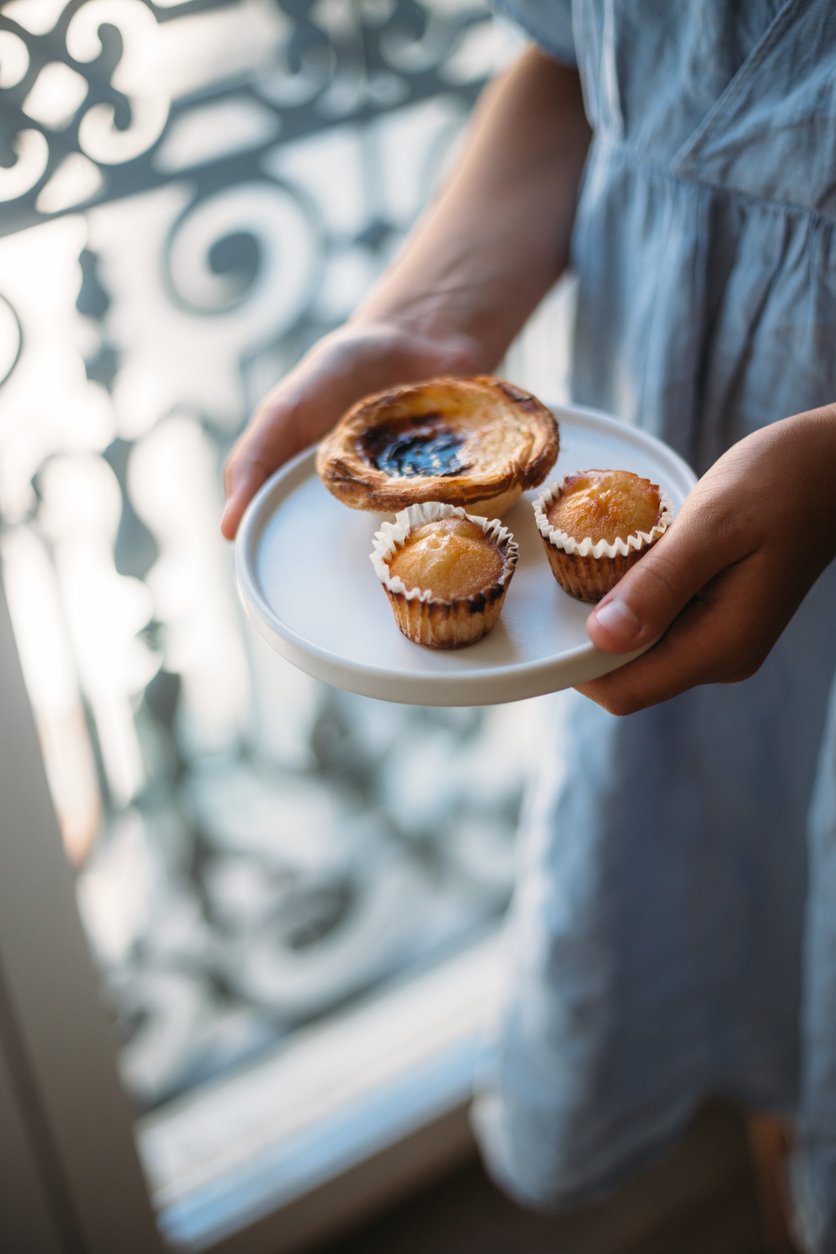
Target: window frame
70,1101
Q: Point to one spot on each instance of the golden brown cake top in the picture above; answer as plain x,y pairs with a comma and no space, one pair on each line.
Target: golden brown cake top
455,440
605,505
451,558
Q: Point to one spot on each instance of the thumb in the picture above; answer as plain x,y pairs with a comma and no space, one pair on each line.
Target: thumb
656,589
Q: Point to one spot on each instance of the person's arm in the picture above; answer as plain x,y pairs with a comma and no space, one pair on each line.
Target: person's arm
721,585
478,263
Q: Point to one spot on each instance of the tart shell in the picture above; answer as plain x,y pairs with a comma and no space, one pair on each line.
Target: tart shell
505,441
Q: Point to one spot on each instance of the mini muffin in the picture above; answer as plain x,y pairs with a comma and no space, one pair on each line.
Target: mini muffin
445,573
596,524
476,442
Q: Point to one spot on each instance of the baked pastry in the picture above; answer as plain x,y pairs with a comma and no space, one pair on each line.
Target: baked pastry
475,442
445,572
595,524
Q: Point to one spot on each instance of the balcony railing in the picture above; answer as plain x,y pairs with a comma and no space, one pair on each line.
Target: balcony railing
190,195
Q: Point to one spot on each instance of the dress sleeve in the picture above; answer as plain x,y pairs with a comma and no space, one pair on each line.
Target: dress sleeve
547,22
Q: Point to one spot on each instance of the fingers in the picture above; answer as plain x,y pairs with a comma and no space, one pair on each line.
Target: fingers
294,415
245,473
262,448
693,594
645,602
276,433
301,409
720,636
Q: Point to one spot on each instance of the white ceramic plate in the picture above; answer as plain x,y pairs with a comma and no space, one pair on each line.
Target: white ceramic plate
303,572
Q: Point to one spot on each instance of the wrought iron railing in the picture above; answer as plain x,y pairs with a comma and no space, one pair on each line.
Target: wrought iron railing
190,194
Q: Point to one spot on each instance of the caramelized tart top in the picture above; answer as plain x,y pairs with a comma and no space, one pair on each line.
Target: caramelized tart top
459,441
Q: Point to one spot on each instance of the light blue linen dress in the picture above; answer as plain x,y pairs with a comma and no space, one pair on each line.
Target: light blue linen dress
675,921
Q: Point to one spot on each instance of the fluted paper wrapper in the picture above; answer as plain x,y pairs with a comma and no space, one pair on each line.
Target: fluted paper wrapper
430,620
588,569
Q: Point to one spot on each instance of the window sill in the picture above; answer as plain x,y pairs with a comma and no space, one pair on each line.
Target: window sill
341,1121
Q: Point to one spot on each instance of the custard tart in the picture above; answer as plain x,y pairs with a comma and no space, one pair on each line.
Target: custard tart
596,524
445,572
476,442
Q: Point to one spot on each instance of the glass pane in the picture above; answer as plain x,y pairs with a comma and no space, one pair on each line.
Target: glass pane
191,194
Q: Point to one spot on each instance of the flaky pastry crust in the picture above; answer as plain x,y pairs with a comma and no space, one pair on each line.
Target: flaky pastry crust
470,442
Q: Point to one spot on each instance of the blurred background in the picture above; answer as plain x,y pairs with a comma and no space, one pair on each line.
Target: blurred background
192,193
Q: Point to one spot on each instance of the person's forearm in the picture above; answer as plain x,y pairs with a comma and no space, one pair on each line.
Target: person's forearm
497,237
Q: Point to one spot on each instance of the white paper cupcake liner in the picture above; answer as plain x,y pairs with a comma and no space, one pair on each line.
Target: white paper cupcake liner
428,619
588,569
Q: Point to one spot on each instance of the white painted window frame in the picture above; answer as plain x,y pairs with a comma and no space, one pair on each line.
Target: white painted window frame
57,1050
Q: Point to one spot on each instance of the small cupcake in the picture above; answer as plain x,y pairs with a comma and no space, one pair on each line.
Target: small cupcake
445,572
596,524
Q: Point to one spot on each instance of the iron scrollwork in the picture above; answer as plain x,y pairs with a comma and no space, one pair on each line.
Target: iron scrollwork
207,186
